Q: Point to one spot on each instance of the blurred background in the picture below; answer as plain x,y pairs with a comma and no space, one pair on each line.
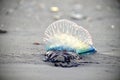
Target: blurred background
22,26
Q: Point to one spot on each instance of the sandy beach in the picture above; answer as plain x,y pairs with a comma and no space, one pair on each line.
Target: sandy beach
25,22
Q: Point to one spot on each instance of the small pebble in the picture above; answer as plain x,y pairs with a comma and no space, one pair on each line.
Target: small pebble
54,9
36,43
3,31
77,16
112,26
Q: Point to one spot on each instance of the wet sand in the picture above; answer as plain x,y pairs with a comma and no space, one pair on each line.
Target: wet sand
26,21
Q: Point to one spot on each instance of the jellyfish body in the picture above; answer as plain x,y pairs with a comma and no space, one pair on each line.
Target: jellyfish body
64,35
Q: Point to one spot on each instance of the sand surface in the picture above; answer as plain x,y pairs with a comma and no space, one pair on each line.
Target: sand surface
26,21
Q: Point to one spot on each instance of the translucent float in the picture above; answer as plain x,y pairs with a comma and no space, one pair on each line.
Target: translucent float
65,35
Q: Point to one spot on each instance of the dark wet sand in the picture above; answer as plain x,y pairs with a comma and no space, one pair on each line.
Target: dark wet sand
26,21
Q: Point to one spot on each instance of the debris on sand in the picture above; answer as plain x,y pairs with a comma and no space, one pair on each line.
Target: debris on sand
54,9
36,43
112,26
77,16
2,31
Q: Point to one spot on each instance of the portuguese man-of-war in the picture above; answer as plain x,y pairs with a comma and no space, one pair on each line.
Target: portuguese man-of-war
65,42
